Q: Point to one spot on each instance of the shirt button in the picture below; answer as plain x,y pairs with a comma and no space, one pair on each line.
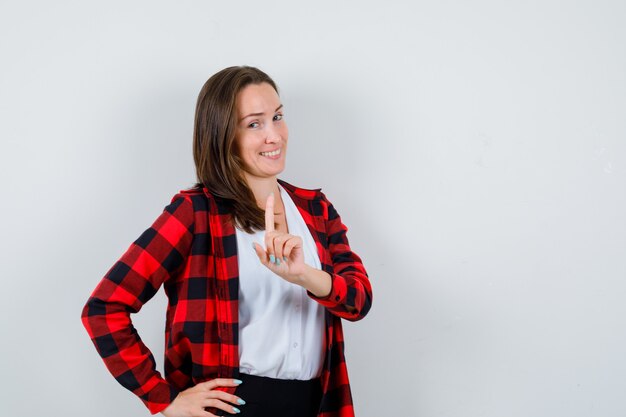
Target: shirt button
295,345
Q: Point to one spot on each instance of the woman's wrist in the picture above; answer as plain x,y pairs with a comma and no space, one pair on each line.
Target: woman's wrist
316,281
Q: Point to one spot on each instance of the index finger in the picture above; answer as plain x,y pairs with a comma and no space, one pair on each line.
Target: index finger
220,382
269,213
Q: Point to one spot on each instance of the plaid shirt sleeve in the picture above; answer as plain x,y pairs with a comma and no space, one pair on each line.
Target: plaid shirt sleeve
153,258
351,292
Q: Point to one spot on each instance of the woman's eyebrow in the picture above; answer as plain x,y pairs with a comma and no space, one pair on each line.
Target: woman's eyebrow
259,114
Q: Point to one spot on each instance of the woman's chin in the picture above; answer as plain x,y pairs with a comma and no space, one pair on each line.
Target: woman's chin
265,174
276,169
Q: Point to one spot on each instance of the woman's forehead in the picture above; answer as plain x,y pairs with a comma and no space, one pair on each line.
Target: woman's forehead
257,98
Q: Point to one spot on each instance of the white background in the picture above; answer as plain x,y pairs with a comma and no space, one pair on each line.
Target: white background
475,149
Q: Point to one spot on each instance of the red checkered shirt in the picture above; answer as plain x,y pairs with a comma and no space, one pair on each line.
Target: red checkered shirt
191,249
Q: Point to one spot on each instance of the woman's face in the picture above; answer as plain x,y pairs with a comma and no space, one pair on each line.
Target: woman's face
261,134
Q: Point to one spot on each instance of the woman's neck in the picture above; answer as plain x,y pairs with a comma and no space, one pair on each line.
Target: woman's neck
262,187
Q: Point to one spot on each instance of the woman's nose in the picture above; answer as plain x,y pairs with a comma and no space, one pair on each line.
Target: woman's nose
273,135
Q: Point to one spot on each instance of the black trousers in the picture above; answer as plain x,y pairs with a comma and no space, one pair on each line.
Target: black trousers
266,397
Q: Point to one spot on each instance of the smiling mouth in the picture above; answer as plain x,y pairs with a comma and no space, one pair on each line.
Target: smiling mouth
272,153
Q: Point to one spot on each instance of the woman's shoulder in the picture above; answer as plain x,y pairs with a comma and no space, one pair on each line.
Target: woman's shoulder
306,193
193,196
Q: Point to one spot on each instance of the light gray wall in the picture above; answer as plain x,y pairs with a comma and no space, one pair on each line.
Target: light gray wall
474,149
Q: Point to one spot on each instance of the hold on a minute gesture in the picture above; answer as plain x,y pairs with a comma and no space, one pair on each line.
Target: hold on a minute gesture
283,253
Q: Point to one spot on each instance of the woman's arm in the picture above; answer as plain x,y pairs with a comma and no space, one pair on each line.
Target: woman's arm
133,280
350,294
346,292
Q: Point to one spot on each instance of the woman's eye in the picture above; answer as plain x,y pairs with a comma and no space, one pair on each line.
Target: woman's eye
253,124
278,117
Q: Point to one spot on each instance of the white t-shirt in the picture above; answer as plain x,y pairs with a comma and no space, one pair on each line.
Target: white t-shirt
281,329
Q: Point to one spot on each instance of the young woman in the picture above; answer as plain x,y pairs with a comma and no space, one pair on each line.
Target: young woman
258,274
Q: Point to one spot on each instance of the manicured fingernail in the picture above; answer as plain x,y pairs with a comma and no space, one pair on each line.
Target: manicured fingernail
236,410
272,259
277,261
240,401
285,258
237,381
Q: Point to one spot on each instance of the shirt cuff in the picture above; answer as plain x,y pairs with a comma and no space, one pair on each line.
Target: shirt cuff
159,397
338,291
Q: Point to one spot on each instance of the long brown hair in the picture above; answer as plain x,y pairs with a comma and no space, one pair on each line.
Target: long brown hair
218,166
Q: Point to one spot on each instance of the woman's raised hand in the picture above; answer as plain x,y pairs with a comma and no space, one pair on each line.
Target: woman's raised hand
193,401
283,253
